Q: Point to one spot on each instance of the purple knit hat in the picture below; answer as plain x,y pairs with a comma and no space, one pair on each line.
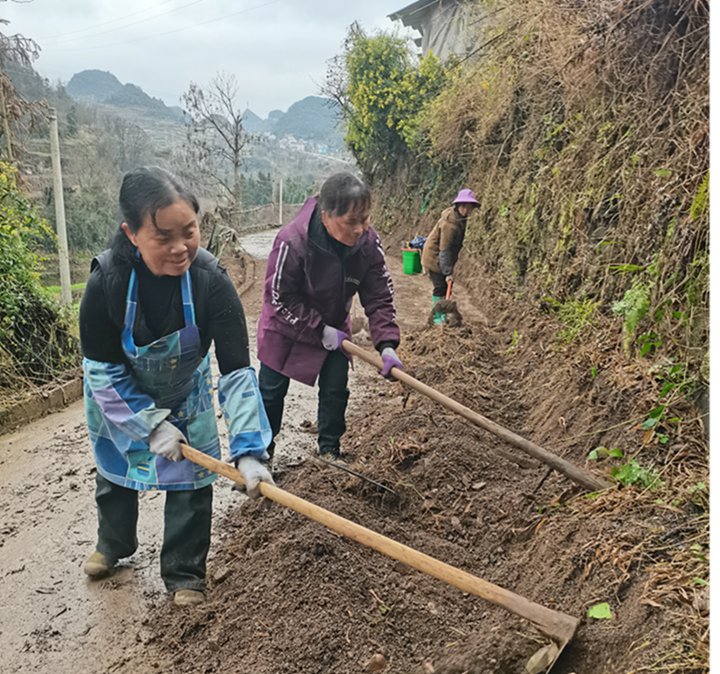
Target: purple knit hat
466,196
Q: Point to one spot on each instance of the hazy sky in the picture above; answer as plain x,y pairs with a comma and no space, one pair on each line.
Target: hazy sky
278,49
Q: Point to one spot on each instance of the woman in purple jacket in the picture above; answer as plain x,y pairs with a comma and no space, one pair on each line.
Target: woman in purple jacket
318,262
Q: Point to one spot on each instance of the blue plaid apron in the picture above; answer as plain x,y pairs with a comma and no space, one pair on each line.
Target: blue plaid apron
175,375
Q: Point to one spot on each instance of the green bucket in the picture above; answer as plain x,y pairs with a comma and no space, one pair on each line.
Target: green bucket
411,261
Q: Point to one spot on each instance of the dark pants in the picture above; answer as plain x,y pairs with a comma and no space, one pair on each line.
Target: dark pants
332,399
439,284
186,539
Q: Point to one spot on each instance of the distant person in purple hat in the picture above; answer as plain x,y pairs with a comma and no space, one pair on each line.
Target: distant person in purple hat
443,245
318,262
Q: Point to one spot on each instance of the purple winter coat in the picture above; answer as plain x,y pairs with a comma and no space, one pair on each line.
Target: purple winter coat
308,286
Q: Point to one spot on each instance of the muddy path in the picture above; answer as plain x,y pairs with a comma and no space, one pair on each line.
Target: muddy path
52,619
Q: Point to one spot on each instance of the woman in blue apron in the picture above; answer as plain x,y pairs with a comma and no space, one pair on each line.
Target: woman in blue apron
153,305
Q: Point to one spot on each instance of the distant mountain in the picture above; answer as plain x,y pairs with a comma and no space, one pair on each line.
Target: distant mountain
94,85
132,96
312,118
99,86
252,123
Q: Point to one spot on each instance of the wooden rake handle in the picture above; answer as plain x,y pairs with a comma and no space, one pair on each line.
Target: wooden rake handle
556,625
578,475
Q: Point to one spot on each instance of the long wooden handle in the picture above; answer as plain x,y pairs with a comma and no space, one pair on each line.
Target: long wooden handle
556,625
582,477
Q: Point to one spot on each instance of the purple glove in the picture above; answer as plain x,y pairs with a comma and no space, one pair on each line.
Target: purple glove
390,360
332,338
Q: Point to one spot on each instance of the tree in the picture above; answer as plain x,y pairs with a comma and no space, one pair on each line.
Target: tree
19,49
298,188
72,122
383,92
216,136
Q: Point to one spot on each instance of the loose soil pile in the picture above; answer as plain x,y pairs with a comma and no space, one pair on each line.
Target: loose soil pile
288,596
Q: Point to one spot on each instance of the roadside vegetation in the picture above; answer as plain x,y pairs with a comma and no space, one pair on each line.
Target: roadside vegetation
37,336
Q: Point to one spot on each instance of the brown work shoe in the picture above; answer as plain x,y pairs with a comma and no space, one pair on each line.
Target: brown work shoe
97,565
187,597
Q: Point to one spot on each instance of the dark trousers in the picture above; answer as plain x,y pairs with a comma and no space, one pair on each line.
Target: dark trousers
439,284
186,538
332,399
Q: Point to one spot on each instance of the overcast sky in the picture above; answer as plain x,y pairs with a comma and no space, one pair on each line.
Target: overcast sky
278,49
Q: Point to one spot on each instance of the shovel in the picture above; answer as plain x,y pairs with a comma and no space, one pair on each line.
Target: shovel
560,627
578,475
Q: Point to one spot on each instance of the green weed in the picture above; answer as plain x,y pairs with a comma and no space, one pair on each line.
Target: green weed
696,550
649,342
626,268
575,315
633,474
633,307
601,611
701,202
514,342
604,453
698,494
674,382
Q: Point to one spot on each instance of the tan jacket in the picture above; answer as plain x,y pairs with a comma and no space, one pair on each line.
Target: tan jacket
441,250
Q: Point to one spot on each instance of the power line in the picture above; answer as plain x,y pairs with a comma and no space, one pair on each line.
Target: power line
104,23
127,25
169,32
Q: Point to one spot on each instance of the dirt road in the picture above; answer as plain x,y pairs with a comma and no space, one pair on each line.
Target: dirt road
52,619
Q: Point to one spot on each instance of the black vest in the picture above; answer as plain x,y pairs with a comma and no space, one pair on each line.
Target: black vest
116,277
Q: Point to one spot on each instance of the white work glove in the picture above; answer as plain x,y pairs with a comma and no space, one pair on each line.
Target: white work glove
390,360
253,473
165,441
332,338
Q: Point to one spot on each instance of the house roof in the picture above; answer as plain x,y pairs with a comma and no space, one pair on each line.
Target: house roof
406,13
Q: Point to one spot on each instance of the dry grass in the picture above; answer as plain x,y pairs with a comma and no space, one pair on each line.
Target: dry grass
584,126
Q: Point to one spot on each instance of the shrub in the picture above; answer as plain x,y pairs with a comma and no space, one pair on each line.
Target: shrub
35,338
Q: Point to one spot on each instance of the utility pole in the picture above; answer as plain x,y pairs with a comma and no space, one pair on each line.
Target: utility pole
280,204
63,256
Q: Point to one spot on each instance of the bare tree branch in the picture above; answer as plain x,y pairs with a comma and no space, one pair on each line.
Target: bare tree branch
216,135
